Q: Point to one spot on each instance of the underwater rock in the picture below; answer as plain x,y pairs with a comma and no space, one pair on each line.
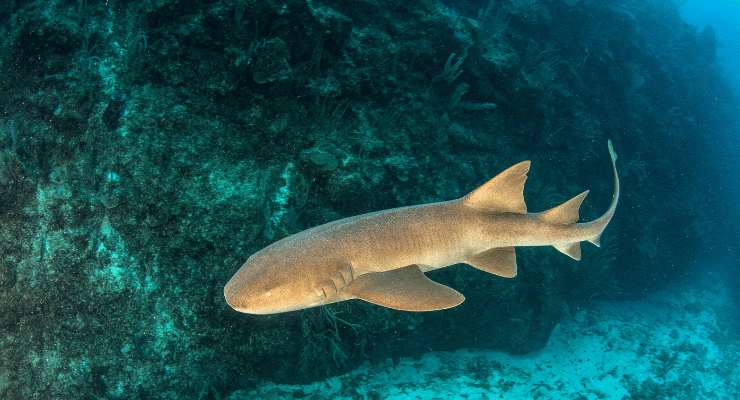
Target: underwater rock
42,39
271,61
320,158
7,274
10,167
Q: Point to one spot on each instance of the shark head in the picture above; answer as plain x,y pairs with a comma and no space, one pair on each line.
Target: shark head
269,285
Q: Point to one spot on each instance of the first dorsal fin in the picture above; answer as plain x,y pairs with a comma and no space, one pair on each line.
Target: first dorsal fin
503,193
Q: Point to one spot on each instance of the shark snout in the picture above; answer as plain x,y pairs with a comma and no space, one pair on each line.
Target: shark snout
261,286
237,297
230,295
248,297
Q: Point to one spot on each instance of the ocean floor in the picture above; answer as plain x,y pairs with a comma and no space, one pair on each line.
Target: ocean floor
680,343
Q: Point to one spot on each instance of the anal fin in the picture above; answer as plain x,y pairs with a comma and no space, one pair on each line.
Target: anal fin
572,250
499,261
405,289
596,240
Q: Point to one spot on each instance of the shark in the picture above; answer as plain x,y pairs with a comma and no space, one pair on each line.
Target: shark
382,257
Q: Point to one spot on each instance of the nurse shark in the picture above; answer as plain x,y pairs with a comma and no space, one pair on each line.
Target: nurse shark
381,257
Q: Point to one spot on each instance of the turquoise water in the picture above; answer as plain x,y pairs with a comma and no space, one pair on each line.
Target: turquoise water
149,148
721,16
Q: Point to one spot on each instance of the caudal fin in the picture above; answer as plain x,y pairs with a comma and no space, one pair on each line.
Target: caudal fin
568,213
600,223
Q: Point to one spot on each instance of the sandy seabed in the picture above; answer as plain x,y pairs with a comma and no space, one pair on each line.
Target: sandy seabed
679,343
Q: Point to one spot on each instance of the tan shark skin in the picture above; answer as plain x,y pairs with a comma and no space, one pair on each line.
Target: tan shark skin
380,257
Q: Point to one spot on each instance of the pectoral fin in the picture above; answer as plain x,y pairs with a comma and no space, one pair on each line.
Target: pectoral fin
499,261
406,289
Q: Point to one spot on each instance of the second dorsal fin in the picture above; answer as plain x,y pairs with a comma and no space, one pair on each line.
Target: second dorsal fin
566,213
503,193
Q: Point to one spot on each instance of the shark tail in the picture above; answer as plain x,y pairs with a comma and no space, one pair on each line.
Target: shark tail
600,223
568,213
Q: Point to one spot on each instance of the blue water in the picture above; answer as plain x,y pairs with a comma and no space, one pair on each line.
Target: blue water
724,17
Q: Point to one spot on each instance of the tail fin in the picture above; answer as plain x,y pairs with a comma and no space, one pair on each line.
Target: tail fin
601,222
567,213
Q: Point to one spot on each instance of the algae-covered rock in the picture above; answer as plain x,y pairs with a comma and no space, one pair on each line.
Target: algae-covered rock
271,61
321,159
